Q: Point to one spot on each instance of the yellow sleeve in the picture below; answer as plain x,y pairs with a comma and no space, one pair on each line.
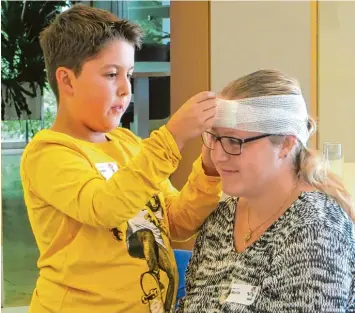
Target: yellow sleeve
61,176
188,209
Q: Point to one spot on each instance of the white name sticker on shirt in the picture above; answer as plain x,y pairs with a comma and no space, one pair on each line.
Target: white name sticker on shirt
107,169
243,294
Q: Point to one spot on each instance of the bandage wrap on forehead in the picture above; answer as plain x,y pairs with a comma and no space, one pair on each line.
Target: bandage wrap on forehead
276,115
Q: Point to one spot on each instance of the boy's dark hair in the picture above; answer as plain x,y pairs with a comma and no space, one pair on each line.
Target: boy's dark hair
78,35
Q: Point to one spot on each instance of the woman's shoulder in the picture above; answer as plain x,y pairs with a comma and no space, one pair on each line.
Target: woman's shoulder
315,209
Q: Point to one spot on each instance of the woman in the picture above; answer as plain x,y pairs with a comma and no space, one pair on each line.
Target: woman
284,241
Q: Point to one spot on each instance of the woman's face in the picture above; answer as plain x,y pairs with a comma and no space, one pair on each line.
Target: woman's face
246,174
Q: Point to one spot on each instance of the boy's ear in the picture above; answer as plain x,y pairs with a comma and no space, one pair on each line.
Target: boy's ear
65,81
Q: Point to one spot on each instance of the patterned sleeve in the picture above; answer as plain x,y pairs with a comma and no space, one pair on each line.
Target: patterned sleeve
313,274
190,274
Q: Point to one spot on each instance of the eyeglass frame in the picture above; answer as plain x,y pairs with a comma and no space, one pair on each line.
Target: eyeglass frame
241,141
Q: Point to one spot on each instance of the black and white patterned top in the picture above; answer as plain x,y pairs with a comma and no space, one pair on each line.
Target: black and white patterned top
304,263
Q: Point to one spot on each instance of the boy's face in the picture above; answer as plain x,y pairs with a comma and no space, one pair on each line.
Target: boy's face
102,91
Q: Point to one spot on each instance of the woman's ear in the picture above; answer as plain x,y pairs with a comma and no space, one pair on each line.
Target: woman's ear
286,146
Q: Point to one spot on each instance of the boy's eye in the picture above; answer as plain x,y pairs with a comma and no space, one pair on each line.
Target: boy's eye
111,75
129,76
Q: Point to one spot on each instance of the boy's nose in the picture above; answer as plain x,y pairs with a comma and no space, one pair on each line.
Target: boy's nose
124,87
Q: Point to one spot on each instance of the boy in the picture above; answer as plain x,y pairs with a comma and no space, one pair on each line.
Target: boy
99,200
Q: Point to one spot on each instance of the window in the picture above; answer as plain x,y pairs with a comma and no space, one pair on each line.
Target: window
20,251
154,17
16,133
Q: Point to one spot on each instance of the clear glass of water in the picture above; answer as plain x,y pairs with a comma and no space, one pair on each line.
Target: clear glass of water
334,157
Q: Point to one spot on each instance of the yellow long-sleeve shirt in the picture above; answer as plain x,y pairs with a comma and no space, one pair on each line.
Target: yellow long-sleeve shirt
103,215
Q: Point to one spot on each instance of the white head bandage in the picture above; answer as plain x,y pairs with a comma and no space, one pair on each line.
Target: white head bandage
276,115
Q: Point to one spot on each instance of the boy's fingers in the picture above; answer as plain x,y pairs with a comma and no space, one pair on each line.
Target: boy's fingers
204,95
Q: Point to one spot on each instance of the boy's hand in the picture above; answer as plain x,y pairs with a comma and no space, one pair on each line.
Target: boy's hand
207,163
193,118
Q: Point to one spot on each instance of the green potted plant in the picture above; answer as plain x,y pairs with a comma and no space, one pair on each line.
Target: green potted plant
155,48
23,75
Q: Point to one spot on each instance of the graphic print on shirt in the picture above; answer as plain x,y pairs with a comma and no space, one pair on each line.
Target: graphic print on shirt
144,238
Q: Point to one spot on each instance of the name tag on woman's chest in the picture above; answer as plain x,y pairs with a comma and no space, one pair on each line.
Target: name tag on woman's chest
243,294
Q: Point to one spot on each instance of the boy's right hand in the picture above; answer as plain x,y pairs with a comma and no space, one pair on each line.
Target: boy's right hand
193,118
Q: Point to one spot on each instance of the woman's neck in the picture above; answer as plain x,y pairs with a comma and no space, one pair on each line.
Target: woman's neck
275,196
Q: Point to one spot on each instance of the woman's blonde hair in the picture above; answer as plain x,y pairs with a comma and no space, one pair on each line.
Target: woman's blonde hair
309,166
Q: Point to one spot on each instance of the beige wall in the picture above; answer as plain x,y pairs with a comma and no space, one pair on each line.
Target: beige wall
247,36
337,75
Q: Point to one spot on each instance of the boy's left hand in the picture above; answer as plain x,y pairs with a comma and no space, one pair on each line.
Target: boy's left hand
207,163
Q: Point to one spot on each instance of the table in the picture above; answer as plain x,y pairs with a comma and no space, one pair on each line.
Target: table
142,72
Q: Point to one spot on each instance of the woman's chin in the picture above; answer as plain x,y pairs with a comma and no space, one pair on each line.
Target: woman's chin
232,188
